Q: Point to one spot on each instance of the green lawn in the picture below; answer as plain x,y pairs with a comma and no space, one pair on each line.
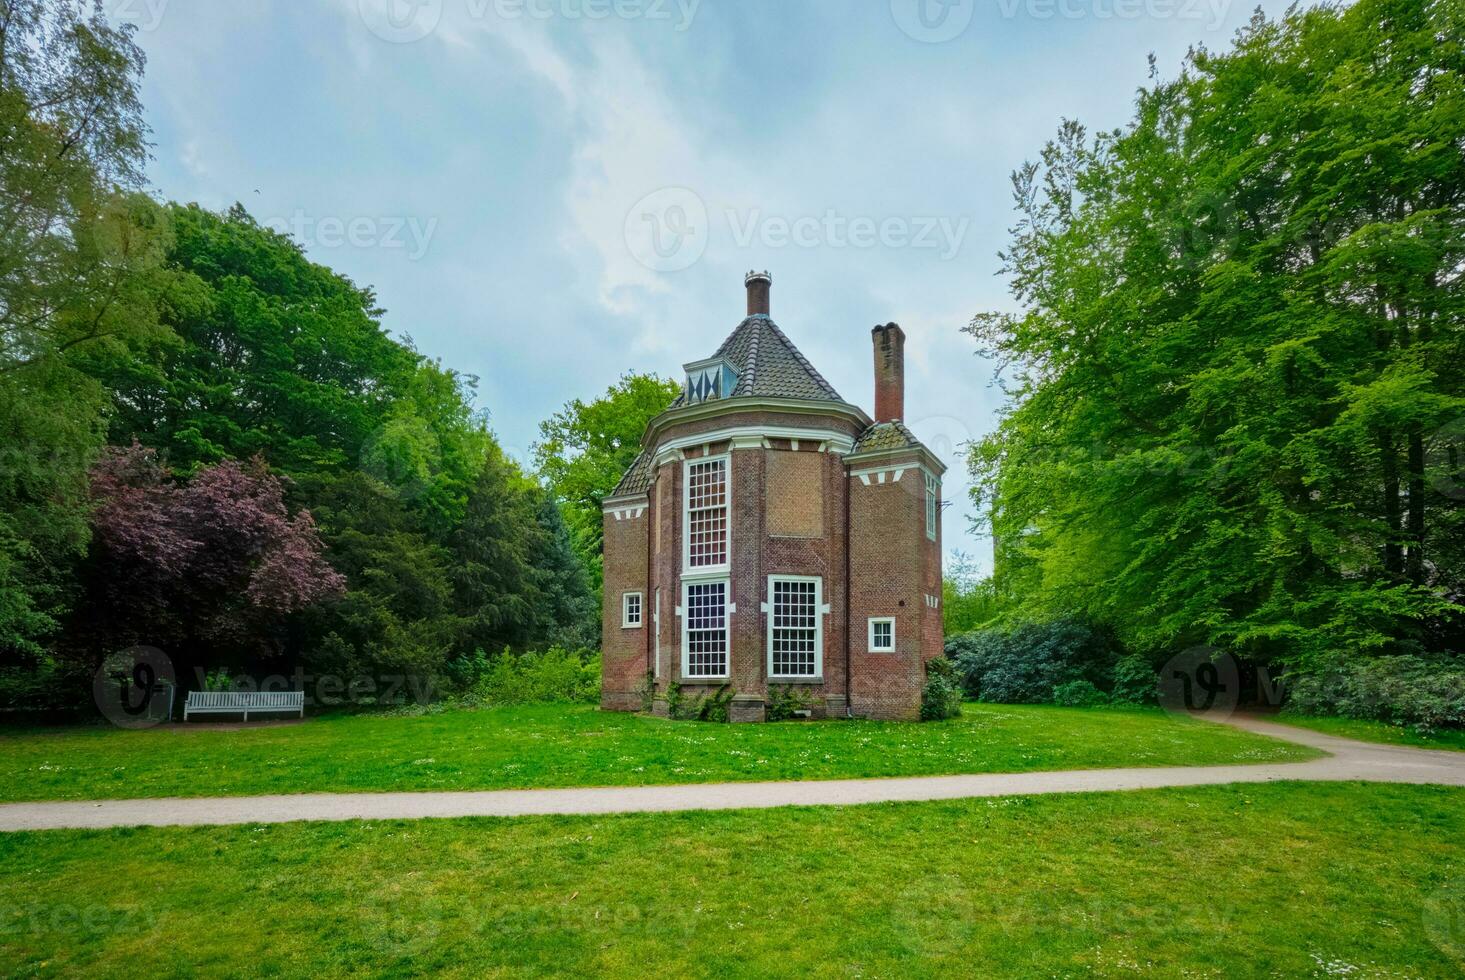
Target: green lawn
560,745
1271,879
1376,731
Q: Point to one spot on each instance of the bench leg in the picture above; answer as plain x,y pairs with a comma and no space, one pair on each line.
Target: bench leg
246,714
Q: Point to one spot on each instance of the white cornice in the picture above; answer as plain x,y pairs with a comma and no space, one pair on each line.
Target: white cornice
730,406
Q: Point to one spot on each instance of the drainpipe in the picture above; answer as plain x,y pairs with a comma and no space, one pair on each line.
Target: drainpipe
848,708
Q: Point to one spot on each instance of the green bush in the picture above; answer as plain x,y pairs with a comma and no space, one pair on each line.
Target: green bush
941,697
1026,664
704,707
1423,694
1135,681
553,675
1079,694
784,700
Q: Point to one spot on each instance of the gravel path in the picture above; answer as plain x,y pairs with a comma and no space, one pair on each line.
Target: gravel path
1347,760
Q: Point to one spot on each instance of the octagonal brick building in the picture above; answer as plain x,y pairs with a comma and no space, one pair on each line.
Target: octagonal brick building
771,533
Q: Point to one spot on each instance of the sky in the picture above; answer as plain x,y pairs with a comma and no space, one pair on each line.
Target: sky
549,193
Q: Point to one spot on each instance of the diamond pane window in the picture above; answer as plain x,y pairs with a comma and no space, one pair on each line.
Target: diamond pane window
708,380
706,629
707,513
794,632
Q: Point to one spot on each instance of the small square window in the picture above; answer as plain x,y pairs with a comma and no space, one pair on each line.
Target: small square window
630,610
882,635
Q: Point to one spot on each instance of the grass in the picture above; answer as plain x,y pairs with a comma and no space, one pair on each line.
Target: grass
563,745
1376,731
1261,880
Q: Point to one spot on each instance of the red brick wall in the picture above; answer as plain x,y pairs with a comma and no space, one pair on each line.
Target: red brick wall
623,651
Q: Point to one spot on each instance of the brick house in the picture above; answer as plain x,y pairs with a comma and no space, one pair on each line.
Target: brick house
772,533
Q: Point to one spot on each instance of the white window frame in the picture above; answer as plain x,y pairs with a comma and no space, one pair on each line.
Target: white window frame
819,612
627,623
712,571
686,613
933,490
656,627
873,648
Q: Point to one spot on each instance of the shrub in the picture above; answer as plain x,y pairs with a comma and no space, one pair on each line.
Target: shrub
784,701
1423,694
648,691
553,675
715,705
1026,664
941,697
1079,694
1135,681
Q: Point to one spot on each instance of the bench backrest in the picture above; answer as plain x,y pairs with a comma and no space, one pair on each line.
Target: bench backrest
246,699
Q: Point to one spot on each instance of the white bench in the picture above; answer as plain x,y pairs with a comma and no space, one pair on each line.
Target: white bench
234,702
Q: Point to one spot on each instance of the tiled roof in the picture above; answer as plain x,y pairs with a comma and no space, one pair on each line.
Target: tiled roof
885,435
637,478
769,365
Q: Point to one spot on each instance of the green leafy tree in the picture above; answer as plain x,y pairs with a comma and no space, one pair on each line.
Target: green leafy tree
1236,385
586,447
80,256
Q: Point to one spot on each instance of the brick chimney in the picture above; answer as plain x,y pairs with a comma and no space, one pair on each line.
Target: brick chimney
758,284
889,373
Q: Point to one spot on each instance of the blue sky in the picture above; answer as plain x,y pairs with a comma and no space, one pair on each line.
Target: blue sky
547,193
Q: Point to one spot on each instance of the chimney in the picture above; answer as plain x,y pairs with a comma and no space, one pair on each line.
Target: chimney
889,373
758,284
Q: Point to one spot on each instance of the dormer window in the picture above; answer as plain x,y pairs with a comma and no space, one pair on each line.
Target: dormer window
710,379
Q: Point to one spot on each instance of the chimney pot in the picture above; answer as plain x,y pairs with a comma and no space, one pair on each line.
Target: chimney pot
758,284
889,342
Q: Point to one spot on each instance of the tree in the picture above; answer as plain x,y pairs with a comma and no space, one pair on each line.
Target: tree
80,255
586,448
1242,325
211,568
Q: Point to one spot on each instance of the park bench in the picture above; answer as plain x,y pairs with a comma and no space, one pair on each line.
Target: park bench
234,702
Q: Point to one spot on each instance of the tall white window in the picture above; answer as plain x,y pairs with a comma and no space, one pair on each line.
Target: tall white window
795,627
706,525
630,610
931,489
704,629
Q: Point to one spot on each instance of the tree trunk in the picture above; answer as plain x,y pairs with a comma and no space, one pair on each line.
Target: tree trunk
1393,550
1414,564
